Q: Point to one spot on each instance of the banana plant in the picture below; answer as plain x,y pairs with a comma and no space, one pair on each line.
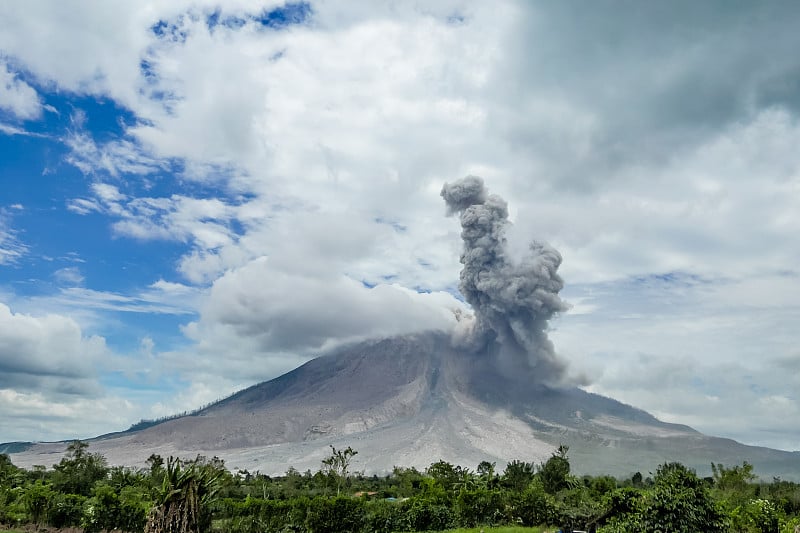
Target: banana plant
182,503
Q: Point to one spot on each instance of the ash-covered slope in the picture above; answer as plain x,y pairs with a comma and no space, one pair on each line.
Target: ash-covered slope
410,401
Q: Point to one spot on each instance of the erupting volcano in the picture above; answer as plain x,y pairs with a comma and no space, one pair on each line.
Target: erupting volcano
492,389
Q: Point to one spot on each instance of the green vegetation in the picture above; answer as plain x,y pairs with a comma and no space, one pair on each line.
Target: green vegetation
201,495
500,529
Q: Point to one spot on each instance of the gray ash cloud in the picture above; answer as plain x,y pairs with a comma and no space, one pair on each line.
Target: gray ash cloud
512,300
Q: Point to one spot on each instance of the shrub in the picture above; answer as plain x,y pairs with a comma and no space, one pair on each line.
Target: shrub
678,502
12,508
756,516
339,514
533,507
37,499
479,506
65,510
383,516
422,514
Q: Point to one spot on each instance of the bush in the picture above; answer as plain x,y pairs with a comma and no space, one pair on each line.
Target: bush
422,514
339,514
756,516
37,499
678,502
101,511
134,504
479,506
13,510
383,516
65,510
576,509
254,515
790,525
534,507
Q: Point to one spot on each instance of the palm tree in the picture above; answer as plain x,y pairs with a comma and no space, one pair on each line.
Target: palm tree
181,504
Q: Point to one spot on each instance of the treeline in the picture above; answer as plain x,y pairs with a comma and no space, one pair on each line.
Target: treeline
145,423
201,496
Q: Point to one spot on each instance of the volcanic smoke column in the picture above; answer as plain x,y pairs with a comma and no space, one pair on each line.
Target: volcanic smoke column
512,301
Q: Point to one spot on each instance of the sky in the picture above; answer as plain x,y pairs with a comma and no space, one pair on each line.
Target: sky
197,196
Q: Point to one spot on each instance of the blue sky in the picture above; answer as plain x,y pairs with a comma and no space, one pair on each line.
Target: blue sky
197,196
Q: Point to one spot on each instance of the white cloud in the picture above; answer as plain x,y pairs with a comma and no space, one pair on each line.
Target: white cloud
268,319
152,301
52,377
49,350
114,158
26,413
710,353
83,206
69,276
11,248
14,130
16,96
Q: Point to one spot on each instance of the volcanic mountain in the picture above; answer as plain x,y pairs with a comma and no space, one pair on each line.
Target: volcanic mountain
486,391
410,401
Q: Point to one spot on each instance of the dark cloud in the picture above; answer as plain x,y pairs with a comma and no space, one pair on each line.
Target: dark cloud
645,78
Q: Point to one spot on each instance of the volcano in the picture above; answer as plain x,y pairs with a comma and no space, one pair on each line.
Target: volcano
413,400
493,389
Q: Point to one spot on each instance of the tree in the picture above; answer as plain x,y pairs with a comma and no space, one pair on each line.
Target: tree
408,481
734,478
10,475
555,471
182,504
518,475
756,516
78,470
338,464
155,464
446,475
37,499
486,474
533,506
678,502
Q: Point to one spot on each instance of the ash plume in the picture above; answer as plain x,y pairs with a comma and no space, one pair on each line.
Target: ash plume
512,300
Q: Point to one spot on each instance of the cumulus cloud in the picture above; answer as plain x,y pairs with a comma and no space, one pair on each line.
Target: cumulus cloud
47,352
202,222
260,311
27,413
715,344
52,378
